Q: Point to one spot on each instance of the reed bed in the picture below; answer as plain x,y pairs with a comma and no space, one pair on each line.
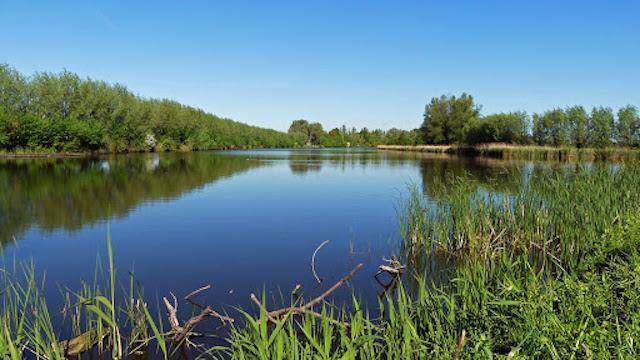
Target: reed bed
550,271
526,152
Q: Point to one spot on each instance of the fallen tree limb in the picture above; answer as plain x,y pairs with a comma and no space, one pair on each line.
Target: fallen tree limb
295,310
309,306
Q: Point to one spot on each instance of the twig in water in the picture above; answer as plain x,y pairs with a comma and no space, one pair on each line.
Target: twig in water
394,268
197,291
313,261
178,332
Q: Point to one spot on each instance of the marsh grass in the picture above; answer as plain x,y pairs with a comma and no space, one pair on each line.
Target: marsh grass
550,271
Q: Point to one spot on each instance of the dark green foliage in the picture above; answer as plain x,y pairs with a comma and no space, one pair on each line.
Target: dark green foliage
551,128
503,127
310,132
579,125
402,137
341,137
451,120
628,126
556,121
446,118
602,123
538,132
62,112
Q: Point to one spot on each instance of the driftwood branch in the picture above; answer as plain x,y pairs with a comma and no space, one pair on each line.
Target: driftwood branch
293,310
173,311
313,261
197,291
308,307
395,268
181,332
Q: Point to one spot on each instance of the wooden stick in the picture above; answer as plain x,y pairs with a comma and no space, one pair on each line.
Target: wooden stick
317,300
313,261
178,332
257,302
297,311
173,312
197,291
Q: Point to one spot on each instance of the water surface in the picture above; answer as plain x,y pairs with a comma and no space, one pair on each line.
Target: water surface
242,221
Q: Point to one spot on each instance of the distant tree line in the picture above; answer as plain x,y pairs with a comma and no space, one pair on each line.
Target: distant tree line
457,120
62,112
65,113
312,134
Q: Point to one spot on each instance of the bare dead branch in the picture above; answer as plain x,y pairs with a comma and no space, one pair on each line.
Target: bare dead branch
197,291
173,313
261,306
317,300
313,261
179,333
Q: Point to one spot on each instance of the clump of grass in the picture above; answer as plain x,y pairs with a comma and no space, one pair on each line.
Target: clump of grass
97,322
554,217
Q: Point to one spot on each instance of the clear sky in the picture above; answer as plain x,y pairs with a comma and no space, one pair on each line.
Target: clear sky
360,63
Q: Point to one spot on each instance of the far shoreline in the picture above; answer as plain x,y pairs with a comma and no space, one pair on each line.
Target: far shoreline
528,152
492,150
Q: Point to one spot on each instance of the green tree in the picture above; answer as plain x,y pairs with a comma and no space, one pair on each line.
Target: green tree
602,123
628,126
445,118
557,126
312,131
12,89
334,138
539,131
579,125
503,127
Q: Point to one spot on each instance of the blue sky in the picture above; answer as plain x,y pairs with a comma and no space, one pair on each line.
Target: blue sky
360,63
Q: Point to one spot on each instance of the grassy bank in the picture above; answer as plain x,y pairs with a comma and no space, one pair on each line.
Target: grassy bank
527,152
551,270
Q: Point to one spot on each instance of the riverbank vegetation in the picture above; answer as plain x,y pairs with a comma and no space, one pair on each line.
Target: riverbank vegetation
312,134
452,120
525,152
545,269
64,113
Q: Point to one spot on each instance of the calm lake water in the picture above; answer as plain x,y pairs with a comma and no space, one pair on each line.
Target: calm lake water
242,221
